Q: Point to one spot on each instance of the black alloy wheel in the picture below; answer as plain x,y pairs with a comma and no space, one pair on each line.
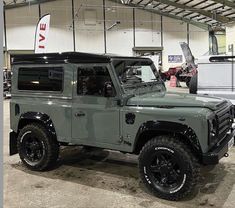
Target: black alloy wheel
33,149
37,148
168,168
166,171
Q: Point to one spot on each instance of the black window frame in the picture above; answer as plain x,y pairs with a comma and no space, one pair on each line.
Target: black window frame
41,91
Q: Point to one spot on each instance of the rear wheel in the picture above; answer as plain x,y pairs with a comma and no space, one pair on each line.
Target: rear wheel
168,168
37,149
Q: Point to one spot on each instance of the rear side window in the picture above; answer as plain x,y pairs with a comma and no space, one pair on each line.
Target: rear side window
41,78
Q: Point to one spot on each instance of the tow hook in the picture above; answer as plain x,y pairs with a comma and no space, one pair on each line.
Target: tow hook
226,155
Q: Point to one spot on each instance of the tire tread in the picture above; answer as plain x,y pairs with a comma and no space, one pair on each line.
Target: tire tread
52,144
180,146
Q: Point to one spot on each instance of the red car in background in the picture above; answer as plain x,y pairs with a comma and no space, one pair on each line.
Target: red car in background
171,72
185,72
182,73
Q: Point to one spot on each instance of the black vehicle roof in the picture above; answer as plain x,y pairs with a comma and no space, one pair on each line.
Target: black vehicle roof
66,57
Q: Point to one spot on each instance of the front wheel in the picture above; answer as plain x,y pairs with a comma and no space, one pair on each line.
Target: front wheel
168,168
37,149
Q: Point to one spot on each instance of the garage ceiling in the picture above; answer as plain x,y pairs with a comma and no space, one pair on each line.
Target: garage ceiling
9,4
202,13
207,12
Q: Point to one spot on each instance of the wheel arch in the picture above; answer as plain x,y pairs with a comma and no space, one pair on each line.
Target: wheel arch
37,117
151,129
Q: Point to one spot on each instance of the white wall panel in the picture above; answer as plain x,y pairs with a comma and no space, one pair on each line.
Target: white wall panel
174,32
198,41
230,36
119,38
61,33
20,26
3,31
89,29
148,29
89,32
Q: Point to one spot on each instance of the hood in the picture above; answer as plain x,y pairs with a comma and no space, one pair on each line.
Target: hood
189,58
172,99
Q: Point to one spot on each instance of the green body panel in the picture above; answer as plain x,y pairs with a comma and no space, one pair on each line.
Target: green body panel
103,122
172,99
60,113
57,105
194,118
100,125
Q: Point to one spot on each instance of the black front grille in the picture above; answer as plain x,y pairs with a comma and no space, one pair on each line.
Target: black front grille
224,119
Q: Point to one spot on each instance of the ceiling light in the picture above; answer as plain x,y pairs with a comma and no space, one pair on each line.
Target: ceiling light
125,1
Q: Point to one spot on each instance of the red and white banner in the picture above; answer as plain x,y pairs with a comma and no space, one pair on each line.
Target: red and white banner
41,35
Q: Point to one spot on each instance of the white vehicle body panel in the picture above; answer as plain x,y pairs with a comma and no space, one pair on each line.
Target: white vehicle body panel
216,77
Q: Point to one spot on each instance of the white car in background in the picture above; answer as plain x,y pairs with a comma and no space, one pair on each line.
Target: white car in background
215,75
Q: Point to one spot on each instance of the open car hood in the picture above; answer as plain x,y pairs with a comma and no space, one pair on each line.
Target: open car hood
190,60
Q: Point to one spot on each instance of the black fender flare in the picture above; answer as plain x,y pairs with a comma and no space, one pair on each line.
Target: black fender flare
37,117
172,128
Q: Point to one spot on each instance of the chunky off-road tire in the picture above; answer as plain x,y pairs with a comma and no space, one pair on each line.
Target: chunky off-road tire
168,168
37,149
193,85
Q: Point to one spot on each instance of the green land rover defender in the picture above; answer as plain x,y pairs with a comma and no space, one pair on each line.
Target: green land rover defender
116,103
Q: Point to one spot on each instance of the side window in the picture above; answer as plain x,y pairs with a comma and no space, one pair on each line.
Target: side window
91,80
40,78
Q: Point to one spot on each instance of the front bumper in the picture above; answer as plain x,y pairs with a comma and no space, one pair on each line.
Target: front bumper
13,143
215,154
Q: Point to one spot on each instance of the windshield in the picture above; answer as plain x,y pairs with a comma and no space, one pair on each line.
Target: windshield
136,74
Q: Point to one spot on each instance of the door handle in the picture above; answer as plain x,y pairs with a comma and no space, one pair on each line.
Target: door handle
79,114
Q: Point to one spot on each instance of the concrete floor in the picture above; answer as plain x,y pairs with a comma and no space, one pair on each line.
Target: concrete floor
101,179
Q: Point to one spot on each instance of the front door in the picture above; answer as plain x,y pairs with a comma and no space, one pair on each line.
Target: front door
95,117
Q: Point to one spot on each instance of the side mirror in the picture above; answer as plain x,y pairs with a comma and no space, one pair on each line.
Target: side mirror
108,90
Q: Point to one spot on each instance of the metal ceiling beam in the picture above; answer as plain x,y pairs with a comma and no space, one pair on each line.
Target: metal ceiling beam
229,14
27,3
188,14
183,9
225,3
156,5
219,18
164,7
202,18
192,17
197,24
227,10
199,3
175,8
203,8
207,6
149,2
208,20
187,2
139,1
